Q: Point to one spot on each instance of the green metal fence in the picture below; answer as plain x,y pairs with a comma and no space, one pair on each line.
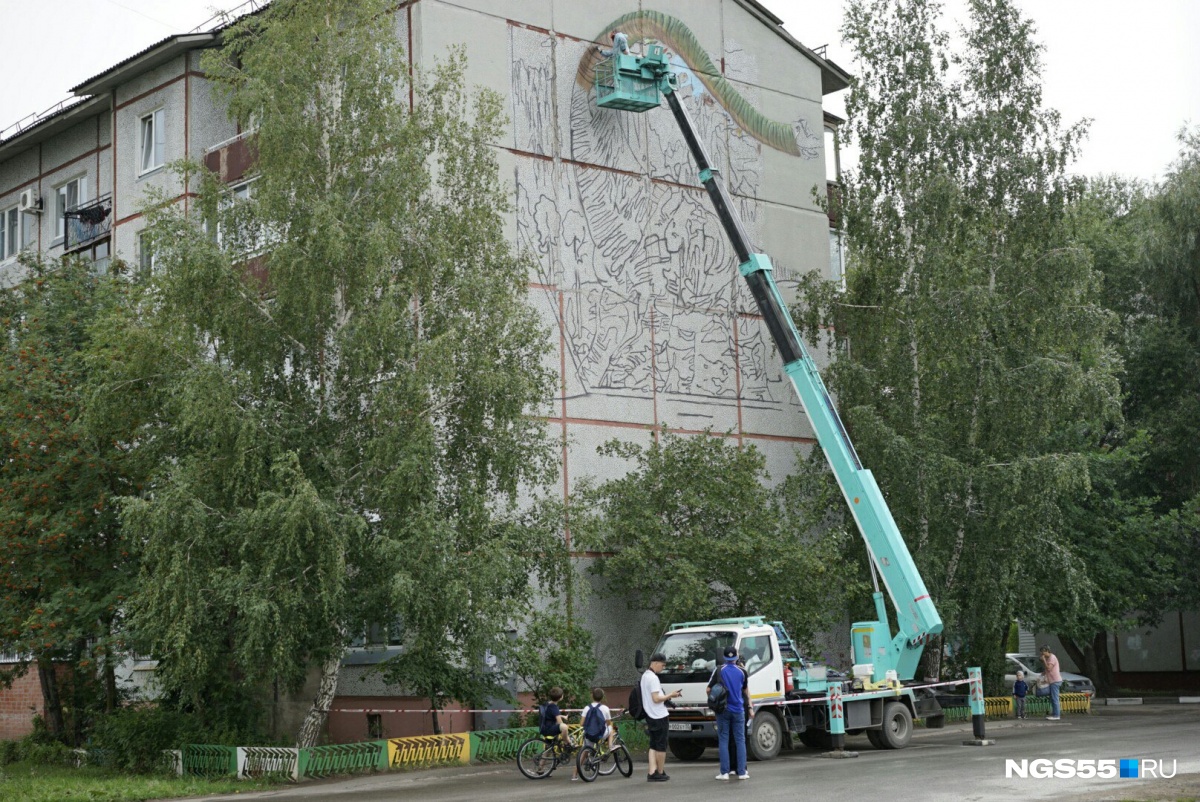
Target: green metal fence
499,746
323,761
205,760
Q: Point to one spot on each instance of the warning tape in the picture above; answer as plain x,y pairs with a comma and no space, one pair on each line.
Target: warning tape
816,700
454,710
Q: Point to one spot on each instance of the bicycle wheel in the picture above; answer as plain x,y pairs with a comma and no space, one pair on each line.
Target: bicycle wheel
606,764
588,763
536,759
622,760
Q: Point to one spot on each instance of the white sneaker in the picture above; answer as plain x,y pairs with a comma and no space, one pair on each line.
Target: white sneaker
745,776
722,777
1052,718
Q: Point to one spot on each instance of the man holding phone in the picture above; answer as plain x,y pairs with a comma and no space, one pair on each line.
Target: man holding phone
654,702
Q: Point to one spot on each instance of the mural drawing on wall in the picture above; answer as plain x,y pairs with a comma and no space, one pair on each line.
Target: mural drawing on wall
621,226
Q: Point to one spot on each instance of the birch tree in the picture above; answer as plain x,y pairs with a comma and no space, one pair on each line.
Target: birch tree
335,371
974,369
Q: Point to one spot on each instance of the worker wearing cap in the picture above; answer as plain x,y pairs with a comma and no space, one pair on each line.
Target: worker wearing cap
733,718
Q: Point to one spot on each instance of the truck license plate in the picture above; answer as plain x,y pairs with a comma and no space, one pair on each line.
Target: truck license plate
681,725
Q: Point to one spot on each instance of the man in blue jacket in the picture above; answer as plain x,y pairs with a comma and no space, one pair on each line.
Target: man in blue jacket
734,716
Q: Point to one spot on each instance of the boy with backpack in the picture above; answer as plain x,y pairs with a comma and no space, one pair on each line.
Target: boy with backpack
597,724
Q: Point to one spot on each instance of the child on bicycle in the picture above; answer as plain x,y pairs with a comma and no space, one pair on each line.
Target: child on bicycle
605,716
553,720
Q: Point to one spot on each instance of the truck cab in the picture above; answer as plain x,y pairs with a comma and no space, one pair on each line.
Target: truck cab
694,651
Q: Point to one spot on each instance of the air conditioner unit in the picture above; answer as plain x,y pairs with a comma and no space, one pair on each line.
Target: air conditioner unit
31,201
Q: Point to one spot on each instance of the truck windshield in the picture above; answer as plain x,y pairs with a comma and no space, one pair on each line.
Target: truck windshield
693,656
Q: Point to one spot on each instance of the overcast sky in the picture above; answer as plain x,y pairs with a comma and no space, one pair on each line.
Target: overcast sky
1134,68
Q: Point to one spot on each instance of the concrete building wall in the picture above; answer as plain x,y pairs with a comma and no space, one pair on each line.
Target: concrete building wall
651,324
80,151
134,186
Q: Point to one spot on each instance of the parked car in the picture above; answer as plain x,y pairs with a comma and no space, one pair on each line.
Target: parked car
1072,683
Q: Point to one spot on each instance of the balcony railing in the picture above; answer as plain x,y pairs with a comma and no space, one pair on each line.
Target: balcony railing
87,222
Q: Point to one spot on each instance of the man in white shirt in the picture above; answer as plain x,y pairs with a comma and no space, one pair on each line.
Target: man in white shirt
654,702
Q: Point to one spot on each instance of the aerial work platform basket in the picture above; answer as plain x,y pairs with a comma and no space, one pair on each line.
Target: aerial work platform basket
629,83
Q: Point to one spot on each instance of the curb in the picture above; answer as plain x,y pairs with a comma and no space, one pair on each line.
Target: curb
1148,700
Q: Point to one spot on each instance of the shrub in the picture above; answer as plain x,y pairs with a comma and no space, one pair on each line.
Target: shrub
37,747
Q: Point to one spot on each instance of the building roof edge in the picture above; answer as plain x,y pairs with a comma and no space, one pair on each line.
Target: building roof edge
833,77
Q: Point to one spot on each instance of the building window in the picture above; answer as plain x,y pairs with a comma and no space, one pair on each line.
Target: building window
10,233
100,258
239,193
380,636
147,258
68,196
837,257
374,726
154,140
833,161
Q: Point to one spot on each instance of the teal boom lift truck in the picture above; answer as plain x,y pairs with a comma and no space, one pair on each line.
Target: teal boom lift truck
879,699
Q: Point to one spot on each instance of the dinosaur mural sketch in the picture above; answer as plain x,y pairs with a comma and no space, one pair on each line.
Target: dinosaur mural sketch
621,226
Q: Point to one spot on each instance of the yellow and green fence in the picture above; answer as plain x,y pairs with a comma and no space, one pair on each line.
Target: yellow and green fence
484,746
1001,707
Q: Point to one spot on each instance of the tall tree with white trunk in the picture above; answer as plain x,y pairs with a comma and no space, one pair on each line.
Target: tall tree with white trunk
336,367
973,368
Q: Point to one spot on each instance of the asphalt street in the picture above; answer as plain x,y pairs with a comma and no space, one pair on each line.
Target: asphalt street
937,766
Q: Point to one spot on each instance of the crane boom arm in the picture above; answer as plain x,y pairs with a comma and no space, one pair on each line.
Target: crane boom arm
916,616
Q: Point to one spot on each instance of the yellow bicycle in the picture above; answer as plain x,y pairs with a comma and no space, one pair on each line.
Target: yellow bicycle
542,754
598,759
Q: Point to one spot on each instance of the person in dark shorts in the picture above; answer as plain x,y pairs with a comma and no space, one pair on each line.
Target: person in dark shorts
654,702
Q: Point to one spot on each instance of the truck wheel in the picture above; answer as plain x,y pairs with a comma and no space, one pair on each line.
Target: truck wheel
876,739
897,726
686,748
766,737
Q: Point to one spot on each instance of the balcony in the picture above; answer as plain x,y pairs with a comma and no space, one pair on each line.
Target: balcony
232,159
87,223
833,209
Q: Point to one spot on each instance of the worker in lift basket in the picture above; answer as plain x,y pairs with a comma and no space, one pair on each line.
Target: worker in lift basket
620,44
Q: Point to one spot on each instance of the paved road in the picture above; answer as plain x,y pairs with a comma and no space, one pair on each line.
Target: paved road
935,767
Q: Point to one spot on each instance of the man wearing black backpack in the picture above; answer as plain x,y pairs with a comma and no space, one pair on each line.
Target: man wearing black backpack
654,703
734,714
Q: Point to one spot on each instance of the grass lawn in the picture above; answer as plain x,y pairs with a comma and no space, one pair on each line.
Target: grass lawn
26,782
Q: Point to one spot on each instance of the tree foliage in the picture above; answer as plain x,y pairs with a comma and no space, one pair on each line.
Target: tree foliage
68,564
1162,310
974,370
695,532
554,650
332,373
1138,527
